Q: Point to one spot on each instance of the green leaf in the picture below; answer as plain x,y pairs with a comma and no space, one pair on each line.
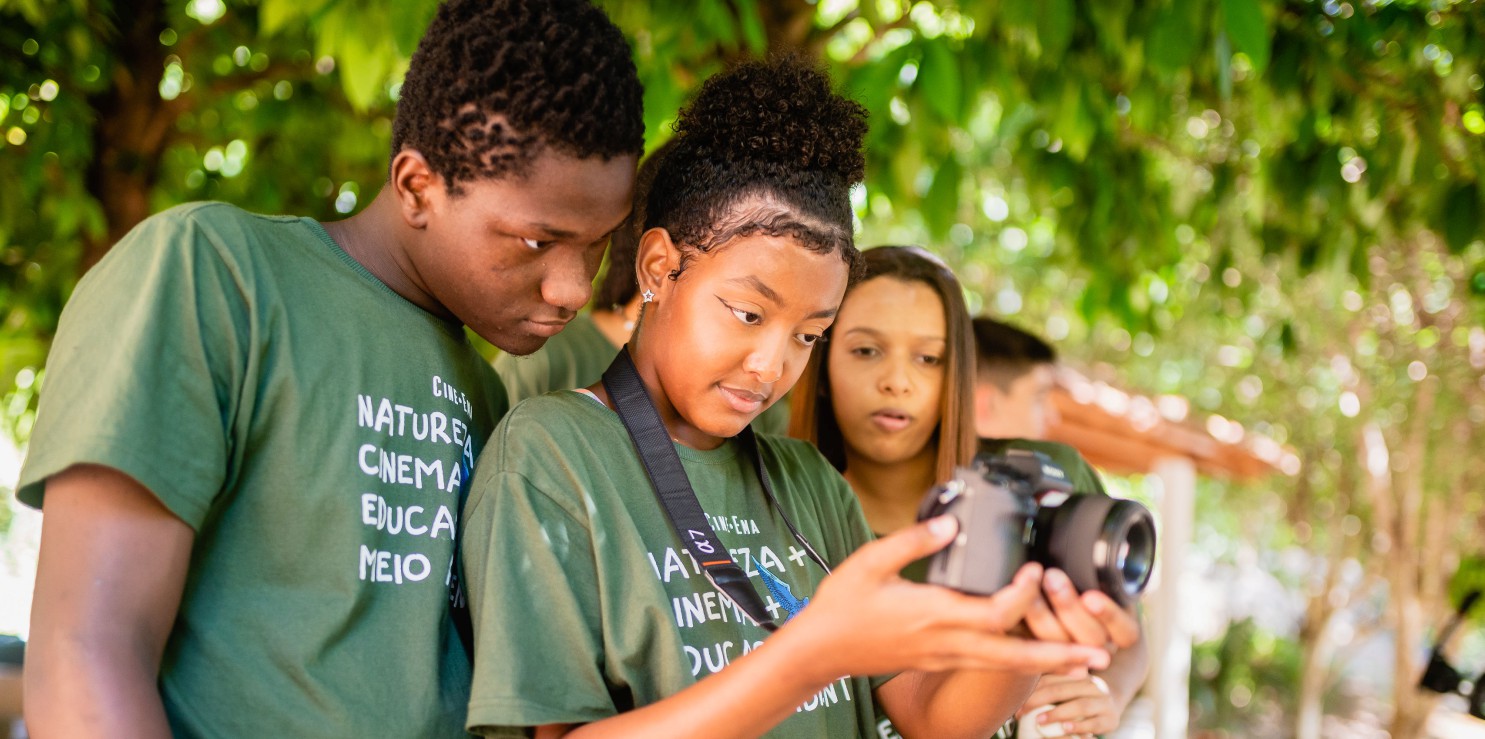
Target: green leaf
275,15
363,70
1077,124
1172,40
715,20
1461,216
939,81
1054,28
753,32
409,19
1248,30
1223,52
941,203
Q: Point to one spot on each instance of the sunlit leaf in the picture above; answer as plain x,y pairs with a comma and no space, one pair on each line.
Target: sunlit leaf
939,81
1172,40
1248,30
1054,25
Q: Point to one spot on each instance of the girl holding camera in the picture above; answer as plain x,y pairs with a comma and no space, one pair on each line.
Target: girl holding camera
888,401
592,617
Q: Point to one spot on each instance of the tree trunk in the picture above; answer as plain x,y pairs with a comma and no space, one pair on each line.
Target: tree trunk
132,128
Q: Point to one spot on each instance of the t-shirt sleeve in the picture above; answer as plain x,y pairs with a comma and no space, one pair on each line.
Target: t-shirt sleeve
533,590
145,371
1080,474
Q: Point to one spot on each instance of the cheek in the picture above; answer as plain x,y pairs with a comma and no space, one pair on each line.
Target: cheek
844,388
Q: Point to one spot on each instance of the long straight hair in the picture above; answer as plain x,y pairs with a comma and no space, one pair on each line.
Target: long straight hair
813,411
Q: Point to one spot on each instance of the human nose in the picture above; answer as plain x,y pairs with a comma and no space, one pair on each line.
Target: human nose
568,283
894,379
766,361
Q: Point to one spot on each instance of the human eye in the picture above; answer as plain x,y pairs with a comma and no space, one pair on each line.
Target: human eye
809,339
865,351
535,244
746,316
932,360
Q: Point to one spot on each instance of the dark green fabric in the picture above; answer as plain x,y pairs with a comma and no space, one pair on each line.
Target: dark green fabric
574,358
313,427
1083,477
577,357
585,603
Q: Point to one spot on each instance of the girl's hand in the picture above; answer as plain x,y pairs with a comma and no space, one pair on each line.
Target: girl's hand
1078,706
866,620
1091,618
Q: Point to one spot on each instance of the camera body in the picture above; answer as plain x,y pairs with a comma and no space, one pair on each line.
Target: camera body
1019,507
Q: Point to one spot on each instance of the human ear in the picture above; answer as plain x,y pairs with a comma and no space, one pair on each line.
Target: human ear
654,261
987,398
416,186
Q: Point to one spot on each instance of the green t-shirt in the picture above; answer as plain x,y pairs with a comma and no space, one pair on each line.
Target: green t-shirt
585,602
577,357
1083,477
313,428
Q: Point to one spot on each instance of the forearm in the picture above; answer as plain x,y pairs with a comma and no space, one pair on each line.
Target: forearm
75,687
1126,673
958,703
749,697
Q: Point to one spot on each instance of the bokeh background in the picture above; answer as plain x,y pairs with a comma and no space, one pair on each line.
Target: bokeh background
1264,220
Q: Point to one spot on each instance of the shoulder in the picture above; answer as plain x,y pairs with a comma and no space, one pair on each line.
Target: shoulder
199,232
1079,472
554,446
212,218
551,425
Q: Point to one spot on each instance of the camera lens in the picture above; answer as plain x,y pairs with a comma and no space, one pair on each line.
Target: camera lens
1129,533
1102,543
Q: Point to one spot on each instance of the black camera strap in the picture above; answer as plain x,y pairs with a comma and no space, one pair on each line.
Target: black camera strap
668,477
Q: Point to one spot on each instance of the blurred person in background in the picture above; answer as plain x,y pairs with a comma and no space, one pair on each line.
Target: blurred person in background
1014,378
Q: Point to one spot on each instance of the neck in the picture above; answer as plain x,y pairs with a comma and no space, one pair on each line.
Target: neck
616,323
890,492
377,238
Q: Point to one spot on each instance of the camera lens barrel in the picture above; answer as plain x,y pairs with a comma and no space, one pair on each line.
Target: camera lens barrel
1102,543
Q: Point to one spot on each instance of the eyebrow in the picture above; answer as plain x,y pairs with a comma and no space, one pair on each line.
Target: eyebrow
552,231
876,333
763,289
560,234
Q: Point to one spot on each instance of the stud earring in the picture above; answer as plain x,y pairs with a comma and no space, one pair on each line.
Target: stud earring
648,296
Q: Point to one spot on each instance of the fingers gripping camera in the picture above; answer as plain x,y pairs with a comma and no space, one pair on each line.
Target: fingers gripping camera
1018,507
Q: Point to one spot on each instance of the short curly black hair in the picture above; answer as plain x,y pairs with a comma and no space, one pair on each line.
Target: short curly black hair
765,148
620,283
494,81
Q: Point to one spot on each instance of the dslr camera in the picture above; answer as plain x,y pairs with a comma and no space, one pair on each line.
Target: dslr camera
1019,507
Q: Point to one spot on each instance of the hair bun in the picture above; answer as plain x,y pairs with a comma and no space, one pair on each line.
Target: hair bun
781,110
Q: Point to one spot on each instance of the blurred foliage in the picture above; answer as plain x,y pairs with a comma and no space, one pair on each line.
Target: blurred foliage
1271,209
1245,682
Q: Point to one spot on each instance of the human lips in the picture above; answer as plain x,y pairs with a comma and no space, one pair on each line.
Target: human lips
546,329
743,400
891,419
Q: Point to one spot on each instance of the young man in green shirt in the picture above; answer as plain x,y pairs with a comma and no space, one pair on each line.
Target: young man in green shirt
256,431
1013,409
